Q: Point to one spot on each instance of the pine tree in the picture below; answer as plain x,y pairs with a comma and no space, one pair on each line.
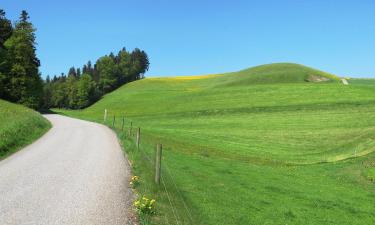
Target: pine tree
25,85
84,69
78,73
89,68
72,72
6,28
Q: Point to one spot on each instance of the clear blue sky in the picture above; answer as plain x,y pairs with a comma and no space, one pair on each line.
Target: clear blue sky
205,36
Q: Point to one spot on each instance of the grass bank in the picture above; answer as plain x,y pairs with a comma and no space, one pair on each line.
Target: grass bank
19,126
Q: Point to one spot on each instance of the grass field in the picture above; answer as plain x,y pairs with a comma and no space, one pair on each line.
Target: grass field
19,126
260,146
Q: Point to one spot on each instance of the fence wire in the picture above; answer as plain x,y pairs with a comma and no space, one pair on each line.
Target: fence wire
128,130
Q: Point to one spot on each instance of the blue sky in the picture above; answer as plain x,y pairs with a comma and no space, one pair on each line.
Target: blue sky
205,36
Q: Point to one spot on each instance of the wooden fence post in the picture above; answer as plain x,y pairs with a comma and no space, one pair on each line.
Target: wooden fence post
114,119
122,125
105,115
138,137
159,150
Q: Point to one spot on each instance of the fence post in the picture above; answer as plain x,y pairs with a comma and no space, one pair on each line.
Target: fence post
138,137
159,149
114,119
122,125
105,115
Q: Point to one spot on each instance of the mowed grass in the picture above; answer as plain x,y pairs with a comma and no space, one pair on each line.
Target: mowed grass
19,126
265,152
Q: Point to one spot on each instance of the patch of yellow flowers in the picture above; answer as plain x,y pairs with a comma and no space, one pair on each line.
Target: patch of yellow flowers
134,181
145,205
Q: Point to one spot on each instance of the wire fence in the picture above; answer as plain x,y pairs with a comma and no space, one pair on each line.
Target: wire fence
175,208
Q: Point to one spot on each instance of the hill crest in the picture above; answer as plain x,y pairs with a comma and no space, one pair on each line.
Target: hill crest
277,73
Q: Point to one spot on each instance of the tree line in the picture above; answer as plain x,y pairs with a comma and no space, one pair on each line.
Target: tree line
80,88
21,82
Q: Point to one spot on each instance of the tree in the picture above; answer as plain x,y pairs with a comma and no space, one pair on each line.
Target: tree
106,68
78,73
145,63
72,72
6,28
71,85
47,94
84,69
48,79
140,63
89,68
59,95
24,85
85,91
123,60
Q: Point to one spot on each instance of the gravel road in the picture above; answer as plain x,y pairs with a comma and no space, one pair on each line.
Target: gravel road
75,174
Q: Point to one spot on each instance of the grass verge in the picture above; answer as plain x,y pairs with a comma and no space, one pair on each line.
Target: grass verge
19,127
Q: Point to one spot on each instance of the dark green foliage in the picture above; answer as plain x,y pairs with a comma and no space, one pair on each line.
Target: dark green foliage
78,90
71,84
20,80
107,70
78,72
85,91
72,72
6,28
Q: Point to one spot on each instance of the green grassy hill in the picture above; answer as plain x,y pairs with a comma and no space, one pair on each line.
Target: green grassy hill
288,151
19,126
276,73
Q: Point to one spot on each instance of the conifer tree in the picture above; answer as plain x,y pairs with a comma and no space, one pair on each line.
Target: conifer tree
6,28
25,85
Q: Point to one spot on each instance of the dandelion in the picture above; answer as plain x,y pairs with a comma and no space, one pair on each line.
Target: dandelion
145,205
134,181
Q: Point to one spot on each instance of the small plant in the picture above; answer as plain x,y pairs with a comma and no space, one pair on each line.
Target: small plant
145,206
134,181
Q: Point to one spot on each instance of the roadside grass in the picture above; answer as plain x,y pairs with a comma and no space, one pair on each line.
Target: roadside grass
19,126
260,153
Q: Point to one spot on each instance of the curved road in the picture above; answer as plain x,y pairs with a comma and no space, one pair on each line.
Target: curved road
74,174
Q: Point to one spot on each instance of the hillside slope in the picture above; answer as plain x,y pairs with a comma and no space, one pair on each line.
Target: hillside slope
284,152
19,126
